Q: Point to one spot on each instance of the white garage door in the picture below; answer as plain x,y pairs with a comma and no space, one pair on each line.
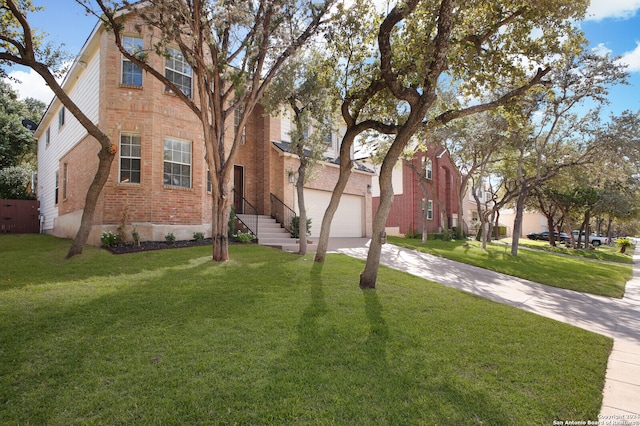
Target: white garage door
347,222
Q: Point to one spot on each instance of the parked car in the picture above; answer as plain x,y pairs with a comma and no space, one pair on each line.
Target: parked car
544,236
594,239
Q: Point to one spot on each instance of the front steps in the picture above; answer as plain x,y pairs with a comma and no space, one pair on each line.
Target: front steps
272,234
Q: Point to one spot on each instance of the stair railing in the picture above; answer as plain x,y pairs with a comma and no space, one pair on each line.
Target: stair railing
250,214
282,213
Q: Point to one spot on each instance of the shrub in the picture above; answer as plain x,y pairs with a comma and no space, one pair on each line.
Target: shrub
109,239
15,182
295,227
232,222
136,236
623,243
243,237
198,236
170,238
412,233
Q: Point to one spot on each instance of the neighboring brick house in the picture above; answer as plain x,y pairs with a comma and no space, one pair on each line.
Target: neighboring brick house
406,214
159,174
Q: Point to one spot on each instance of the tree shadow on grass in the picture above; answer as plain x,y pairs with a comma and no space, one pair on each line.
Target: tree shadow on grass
339,376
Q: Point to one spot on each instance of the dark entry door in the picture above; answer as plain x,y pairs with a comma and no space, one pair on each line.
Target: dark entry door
238,185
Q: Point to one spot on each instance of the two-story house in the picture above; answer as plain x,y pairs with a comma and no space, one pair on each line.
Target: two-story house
160,176
409,201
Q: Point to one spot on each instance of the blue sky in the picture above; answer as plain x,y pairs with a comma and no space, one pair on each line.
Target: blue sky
613,25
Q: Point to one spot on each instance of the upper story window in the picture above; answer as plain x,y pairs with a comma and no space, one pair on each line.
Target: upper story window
129,158
329,138
131,73
178,71
47,136
427,166
61,117
177,163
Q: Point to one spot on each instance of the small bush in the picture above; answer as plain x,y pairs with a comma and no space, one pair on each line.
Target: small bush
295,227
624,244
232,222
198,236
243,237
412,233
135,236
109,239
170,238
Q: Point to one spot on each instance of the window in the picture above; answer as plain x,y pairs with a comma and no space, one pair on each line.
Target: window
427,166
65,181
61,117
209,183
177,163
47,136
329,138
129,158
56,195
131,73
237,116
178,71
429,206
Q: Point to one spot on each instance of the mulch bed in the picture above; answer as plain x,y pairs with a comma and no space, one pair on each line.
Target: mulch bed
157,245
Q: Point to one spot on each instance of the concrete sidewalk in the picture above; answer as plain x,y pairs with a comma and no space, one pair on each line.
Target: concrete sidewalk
619,319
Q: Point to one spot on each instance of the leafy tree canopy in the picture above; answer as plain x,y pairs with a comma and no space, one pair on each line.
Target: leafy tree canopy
16,141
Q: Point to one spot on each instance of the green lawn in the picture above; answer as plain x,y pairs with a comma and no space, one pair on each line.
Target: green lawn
573,272
609,253
168,337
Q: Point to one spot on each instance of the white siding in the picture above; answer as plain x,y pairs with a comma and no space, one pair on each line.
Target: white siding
285,128
85,92
333,150
396,180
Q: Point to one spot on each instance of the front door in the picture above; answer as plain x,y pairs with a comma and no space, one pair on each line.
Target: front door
238,185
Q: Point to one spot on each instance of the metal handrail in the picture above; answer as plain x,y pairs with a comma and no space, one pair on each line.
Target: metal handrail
252,227
282,213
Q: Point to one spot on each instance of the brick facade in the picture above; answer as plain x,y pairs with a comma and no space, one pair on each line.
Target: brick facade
153,114
406,211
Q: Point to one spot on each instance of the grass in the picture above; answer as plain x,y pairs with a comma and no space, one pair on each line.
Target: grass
271,338
569,272
604,252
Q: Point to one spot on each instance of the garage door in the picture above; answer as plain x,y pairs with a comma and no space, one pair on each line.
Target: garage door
347,222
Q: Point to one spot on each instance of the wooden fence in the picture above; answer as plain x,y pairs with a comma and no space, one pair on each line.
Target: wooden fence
19,216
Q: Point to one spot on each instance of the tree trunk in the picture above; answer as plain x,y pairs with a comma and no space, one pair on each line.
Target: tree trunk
552,230
462,191
345,172
424,225
490,215
221,211
517,223
302,223
369,275
105,158
425,211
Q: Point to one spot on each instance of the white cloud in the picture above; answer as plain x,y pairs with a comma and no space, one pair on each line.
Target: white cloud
632,59
602,50
30,85
601,9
